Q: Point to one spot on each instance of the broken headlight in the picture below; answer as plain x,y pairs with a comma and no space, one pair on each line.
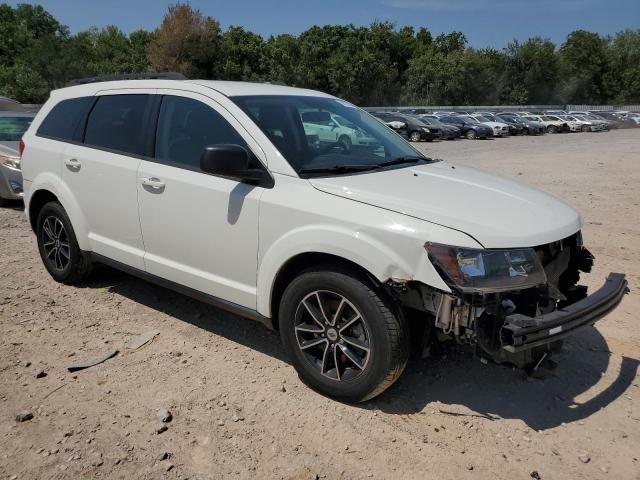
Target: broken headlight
488,270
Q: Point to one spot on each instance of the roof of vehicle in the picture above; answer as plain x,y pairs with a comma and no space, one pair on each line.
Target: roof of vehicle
227,88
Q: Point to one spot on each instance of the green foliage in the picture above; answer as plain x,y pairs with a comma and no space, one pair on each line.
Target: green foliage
375,65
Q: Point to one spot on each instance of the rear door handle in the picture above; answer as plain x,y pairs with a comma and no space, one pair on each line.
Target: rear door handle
154,183
73,164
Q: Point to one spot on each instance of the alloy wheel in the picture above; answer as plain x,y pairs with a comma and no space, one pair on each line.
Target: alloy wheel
56,243
333,335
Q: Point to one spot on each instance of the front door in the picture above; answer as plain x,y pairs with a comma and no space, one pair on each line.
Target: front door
199,230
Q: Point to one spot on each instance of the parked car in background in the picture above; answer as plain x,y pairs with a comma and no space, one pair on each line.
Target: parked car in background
529,127
471,129
449,132
500,129
615,121
334,129
635,117
593,119
514,128
584,124
574,125
210,188
551,123
13,124
408,126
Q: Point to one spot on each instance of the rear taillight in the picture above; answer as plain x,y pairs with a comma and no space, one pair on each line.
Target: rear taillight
21,147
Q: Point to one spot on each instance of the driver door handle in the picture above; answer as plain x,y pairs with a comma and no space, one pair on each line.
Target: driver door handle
154,183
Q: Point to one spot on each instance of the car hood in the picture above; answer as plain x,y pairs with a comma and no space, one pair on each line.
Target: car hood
497,212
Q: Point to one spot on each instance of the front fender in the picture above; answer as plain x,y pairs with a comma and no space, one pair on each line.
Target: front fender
407,260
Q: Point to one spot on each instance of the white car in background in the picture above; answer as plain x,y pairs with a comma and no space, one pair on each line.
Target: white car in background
585,125
552,123
211,188
500,129
335,130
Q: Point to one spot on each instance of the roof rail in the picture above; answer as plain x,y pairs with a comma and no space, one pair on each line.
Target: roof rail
128,76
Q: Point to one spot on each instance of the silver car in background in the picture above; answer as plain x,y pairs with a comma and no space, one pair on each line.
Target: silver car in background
12,127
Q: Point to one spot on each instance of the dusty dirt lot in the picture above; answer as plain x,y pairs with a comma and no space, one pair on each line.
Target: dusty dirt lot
239,409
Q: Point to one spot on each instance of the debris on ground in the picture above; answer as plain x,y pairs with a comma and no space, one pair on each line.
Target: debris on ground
141,340
92,362
24,416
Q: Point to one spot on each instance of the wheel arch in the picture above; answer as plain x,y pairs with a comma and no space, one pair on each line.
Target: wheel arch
309,261
49,188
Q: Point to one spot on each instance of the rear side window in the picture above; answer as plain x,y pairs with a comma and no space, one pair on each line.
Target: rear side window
116,122
64,119
186,127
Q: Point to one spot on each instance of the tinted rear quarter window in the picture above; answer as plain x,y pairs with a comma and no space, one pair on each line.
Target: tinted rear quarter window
117,122
64,119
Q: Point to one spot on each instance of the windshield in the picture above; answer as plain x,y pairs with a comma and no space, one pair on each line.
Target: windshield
469,119
305,131
12,128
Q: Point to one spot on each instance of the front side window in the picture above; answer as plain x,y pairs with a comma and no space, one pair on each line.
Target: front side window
186,127
12,128
116,122
302,129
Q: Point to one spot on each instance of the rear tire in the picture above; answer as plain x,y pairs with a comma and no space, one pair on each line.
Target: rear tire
345,142
552,129
342,337
58,246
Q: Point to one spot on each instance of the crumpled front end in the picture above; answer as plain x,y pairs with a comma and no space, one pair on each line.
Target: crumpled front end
524,324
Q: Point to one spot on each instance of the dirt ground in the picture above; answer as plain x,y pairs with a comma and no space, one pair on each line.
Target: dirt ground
239,409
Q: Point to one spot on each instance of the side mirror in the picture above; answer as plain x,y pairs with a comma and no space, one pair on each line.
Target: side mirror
230,161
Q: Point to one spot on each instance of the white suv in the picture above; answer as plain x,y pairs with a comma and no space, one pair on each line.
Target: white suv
214,189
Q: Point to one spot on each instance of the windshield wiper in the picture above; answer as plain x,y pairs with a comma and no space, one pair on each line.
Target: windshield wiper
401,160
340,169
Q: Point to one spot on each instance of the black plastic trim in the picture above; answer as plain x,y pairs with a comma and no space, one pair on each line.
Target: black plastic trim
184,290
523,332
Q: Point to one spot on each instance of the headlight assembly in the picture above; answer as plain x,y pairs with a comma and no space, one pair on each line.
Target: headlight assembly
11,162
474,270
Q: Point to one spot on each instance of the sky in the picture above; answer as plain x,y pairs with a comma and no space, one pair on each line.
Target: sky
486,23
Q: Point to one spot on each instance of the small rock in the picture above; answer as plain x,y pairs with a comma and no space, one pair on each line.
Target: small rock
40,373
27,364
164,456
604,469
164,415
24,416
584,458
282,388
161,428
469,467
168,466
535,475
220,423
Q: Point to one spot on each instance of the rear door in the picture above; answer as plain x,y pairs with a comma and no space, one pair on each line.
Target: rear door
101,172
199,230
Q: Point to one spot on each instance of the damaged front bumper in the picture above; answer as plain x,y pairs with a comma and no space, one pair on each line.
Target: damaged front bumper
521,332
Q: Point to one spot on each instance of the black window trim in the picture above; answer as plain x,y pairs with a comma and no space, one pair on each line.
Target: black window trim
76,138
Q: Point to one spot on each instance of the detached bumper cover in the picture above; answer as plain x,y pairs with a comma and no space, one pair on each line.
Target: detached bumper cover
521,332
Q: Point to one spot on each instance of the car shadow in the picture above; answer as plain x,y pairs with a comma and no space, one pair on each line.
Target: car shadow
453,379
17,205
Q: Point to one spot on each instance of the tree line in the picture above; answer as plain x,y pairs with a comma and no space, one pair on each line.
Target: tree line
376,65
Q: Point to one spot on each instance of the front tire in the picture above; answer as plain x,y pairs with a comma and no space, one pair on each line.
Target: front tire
345,142
470,135
552,129
58,245
342,337
585,128
414,136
